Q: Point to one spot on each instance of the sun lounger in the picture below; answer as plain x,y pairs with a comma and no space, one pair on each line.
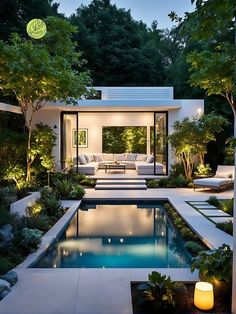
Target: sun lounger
223,178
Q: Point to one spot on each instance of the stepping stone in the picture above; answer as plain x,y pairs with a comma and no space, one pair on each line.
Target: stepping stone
120,182
121,187
198,203
212,212
221,219
205,206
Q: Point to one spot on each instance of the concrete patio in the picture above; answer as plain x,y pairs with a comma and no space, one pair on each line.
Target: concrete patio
105,291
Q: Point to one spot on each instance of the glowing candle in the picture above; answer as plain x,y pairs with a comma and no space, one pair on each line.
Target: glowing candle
204,296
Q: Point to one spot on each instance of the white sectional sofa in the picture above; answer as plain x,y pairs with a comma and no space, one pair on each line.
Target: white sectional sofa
90,163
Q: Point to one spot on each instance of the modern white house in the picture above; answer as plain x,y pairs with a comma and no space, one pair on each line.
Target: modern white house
127,125
136,120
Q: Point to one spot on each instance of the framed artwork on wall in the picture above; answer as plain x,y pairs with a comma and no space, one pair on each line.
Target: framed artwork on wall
82,138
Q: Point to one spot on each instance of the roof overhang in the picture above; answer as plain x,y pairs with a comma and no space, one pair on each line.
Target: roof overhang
118,105
9,108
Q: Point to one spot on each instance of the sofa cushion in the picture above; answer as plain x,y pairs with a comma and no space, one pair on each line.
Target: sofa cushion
98,157
131,157
150,159
82,160
89,157
108,157
141,157
145,168
119,157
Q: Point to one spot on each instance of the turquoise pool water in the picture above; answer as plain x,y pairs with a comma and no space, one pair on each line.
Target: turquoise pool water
117,235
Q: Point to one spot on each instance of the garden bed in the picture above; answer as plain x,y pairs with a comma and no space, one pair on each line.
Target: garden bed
184,302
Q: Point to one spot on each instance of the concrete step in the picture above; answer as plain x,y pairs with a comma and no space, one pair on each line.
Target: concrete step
121,182
121,187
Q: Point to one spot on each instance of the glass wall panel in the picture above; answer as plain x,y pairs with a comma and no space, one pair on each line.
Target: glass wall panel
69,148
160,140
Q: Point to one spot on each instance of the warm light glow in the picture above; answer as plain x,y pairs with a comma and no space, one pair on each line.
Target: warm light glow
204,296
199,111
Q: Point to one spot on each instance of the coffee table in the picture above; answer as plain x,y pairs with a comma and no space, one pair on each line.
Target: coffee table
115,167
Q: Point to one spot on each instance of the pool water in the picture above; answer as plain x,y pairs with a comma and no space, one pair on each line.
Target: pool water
117,235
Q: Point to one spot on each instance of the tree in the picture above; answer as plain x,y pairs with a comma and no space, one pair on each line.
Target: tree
41,71
191,136
120,51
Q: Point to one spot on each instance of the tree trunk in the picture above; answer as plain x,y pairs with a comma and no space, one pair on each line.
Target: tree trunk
28,159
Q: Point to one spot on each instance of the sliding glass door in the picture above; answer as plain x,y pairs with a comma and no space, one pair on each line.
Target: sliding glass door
160,147
69,140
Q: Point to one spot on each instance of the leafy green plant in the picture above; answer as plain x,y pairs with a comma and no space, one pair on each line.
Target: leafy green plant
63,187
203,170
88,182
16,173
212,200
215,264
77,192
226,227
51,205
227,206
193,247
40,222
159,291
35,210
163,182
31,238
152,183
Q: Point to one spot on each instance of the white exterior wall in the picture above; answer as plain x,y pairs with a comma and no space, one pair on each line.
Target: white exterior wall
51,118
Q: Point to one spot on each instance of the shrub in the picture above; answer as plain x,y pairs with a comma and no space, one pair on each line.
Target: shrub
152,183
193,247
40,222
5,265
216,264
227,206
203,170
163,182
159,291
51,205
5,217
226,227
31,238
177,169
77,192
35,210
63,187
212,200
88,182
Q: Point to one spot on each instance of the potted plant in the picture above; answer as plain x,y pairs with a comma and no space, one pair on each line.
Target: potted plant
158,293
215,266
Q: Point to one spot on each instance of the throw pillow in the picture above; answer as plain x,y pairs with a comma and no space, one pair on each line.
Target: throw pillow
98,157
119,157
150,159
82,160
141,157
89,157
131,157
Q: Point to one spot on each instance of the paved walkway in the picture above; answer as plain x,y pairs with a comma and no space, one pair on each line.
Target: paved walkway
103,291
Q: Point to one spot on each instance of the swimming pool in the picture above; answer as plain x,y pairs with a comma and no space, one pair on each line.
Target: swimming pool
117,234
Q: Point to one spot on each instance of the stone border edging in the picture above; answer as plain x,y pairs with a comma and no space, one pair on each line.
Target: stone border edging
19,207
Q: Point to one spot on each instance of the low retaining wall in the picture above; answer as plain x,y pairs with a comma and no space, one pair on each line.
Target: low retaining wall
19,207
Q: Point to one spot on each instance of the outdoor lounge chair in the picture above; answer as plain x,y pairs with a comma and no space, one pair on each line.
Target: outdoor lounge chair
223,178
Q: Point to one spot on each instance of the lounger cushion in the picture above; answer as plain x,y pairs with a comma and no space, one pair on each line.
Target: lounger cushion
220,174
214,182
